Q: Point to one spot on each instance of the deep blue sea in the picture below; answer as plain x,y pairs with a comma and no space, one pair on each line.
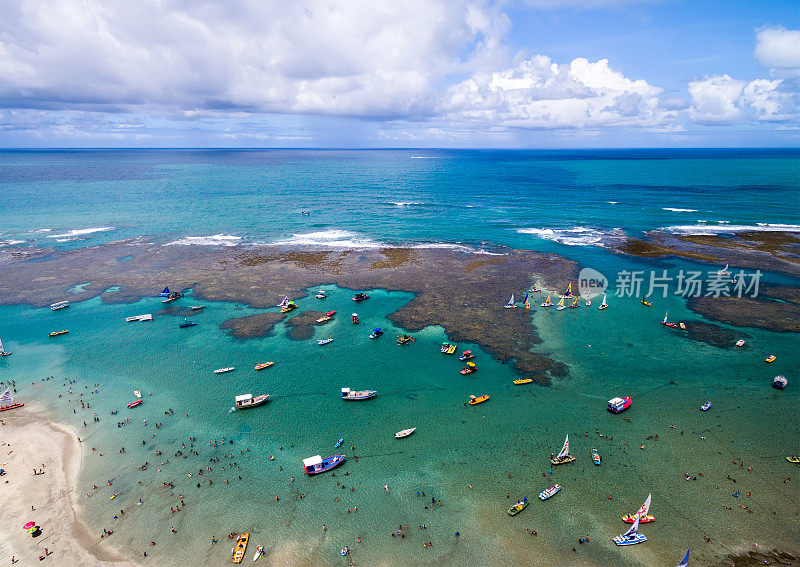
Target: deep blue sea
567,202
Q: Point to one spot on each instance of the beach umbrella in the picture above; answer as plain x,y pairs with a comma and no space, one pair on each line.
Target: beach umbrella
29,525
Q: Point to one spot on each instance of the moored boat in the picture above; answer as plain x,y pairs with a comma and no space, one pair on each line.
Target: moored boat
404,339
632,536
348,394
135,403
473,400
321,294
770,358
59,305
325,341
518,507
241,548
779,382
187,324
563,456
740,343
793,459
249,401
618,405
377,332
404,433
643,514
360,297
549,491
451,349
469,368
523,381
316,464
263,365
324,319
7,401
224,370
595,456
466,355
354,318
259,553
56,333
197,307
706,406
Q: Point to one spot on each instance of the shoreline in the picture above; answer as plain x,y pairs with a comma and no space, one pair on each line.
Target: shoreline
31,440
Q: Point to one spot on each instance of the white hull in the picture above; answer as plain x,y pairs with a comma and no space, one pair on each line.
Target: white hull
223,370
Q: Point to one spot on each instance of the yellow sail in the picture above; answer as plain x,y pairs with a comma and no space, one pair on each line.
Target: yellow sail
561,302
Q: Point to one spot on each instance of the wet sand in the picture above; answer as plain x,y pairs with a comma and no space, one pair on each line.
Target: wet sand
30,441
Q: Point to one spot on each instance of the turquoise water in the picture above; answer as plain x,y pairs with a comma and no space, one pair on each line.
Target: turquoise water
482,199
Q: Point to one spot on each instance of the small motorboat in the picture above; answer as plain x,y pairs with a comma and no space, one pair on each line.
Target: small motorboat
263,365
348,394
643,514
197,307
549,492
376,333
223,370
324,319
404,339
344,551
316,464
137,393
241,547
631,537
360,297
146,317
259,553
473,401
187,324
325,341
339,443
770,358
354,318
469,368
249,401
404,433
135,403
682,325
523,381
779,382
706,406
793,459
59,305
647,303
618,405
56,333
518,507
740,343
321,295
466,355
595,456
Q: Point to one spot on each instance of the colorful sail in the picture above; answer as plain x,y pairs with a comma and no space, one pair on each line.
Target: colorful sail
1,346
633,529
643,511
284,303
526,302
165,293
685,561
6,398
564,450
568,293
561,303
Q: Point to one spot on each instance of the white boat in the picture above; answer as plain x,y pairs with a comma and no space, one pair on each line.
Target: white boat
404,433
197,307
563,455
604,304
321,294
561,304
510,304
724,271
685,561
632,536
348,394
223,370
284,303
740,343
3,350
549,491
325,341
249,401
259,553
588,302
59,305
146,317
137,393
547,301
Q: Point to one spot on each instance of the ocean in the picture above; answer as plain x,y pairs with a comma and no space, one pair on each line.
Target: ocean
469,458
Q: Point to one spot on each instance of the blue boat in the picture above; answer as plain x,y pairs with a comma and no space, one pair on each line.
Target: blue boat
187,324
165,293
316,464
339,443
632,536
376,333
706,406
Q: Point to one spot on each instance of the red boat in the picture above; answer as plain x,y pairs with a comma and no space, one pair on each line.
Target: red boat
617,405
667,323
135,403
354,316
330,313
360,297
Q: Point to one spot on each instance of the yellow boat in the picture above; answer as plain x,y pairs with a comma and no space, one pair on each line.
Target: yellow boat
451,349
793,459
241,547
263,365
479,400
770,358
56,333
645,302
523,381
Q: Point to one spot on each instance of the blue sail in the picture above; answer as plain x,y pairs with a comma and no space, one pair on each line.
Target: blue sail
685,561
164,293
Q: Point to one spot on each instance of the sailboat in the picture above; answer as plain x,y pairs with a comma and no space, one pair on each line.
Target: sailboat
568,293
284,303
641,514
724,271
7,401
561,304
3,350
563,455
165,293
510,304
526,302
604,304
574,304
667,323
632,536
685,561
547,301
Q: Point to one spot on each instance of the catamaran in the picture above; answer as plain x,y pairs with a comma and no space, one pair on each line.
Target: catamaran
526,303
284,303
547,301
632,536
604,304
574,304
568,293
510,304
563,456
641,514
3,350
7,401
561,304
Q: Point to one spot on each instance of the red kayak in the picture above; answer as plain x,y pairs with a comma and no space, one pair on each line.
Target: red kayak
330,313
134,404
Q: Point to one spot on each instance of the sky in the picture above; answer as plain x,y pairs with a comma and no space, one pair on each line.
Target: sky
399,73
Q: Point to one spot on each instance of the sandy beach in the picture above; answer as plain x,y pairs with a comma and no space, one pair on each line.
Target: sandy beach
28,442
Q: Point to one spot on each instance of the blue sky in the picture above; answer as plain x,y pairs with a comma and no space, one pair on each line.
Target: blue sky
401,73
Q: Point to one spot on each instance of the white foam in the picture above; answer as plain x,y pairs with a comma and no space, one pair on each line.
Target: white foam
79,232
11,242
612,202
405,203
674,210
726,228
215,240
41,230
330,238
424,157
576,236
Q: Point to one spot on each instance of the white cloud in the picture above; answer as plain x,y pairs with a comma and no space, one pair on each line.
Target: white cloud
724,100
778,48
538,93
